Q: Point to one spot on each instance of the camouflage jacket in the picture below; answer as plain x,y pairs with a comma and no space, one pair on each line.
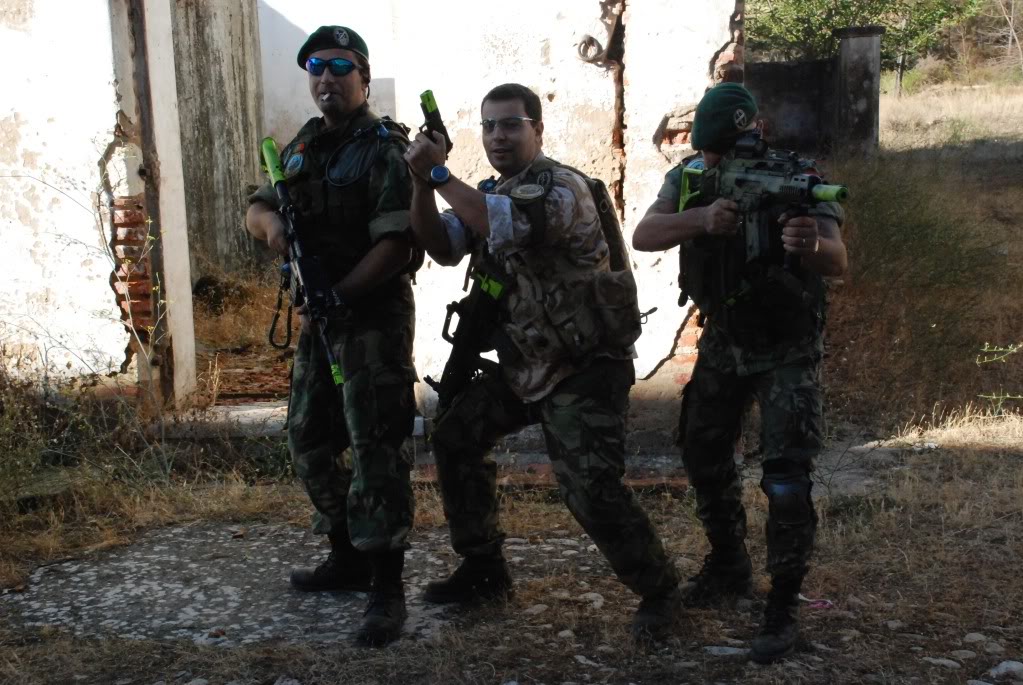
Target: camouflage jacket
547,272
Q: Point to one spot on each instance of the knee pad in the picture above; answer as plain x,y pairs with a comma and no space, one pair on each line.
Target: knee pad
788,495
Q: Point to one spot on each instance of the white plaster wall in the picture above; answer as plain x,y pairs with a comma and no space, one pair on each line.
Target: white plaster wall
57,309
667,66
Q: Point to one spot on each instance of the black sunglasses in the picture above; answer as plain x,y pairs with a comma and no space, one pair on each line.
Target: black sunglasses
338,66
506,123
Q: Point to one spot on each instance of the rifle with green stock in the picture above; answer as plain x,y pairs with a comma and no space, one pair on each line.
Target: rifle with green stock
766,184
301,274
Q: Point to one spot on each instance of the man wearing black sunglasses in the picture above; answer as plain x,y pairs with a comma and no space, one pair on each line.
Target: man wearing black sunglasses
347,177
568,323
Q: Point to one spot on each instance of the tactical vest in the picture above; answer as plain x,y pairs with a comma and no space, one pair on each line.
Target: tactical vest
560,309
329,181
759,303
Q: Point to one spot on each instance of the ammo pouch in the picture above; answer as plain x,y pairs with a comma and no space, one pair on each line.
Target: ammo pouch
600,313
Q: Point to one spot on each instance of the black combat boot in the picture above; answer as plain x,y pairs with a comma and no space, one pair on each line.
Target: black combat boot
726,573
345,569
778,632
477,578
656,615
385,614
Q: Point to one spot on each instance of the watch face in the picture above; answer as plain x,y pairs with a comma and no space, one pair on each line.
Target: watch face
439,174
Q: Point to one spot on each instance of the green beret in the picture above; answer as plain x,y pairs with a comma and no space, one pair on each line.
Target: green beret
725,111
329,38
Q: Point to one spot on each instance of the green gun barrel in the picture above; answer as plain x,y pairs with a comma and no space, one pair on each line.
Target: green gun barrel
428,102
829,193
271,160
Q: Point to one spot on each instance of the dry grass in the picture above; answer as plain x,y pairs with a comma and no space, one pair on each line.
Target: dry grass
238,312
97,513
936,548
936,267
951,115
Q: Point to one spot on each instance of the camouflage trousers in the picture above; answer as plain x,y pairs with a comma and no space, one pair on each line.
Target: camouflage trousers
583,421
791,436
371,500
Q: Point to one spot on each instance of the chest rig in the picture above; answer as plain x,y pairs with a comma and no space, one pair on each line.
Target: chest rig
559,308
328,176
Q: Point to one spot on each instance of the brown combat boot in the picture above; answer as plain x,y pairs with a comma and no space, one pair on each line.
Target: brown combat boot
345,569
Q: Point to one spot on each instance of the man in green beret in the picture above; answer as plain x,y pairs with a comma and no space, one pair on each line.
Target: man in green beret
351,186
765,342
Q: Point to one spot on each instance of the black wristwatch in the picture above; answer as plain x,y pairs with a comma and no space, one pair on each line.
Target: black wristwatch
439,175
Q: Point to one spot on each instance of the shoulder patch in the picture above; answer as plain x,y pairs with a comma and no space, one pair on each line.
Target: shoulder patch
296,160
528,192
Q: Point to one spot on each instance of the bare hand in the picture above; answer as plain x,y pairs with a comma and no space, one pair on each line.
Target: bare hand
800,235
425,153
721,218
275,235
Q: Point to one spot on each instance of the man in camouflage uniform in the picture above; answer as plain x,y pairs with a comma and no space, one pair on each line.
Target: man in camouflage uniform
540,225
351,186
769,345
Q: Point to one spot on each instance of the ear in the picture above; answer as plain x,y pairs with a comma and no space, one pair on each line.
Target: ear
539,131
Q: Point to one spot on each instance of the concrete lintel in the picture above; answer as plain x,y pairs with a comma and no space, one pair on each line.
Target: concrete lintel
176,278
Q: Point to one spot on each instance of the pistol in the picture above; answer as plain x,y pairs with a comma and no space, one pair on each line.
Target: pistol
433,121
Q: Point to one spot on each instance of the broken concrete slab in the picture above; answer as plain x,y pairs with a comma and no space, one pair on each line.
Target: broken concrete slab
227,585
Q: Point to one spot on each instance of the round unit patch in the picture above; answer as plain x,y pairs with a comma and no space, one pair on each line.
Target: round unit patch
294,164
740,118
528,192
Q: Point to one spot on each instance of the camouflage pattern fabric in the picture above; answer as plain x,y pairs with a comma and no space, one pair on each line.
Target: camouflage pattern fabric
583,420
791,413
550,277
372,499
339,225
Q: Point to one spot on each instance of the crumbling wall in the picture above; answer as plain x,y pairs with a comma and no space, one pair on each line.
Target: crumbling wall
671,57
58,314
796,101
216,50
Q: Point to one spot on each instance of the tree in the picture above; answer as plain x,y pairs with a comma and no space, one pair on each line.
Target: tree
801,29
1011,28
